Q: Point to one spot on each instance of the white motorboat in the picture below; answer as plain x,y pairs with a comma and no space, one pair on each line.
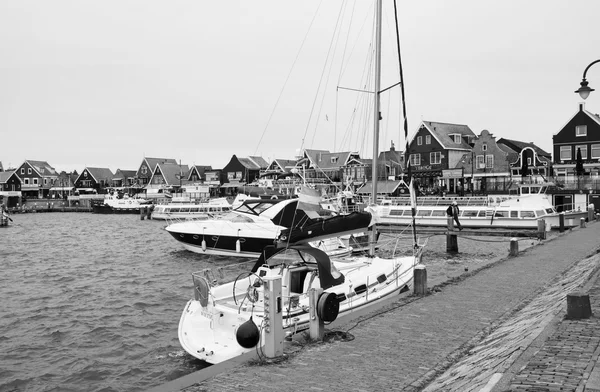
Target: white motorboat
520,211
190,210
210,320
255,224
117,203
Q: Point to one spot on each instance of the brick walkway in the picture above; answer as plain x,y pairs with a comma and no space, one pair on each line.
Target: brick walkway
413,343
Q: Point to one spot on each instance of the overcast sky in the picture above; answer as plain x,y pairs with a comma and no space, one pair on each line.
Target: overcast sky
106,83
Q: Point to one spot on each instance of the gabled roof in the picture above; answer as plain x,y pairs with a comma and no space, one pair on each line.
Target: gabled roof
99,173
314,156
392,155
1,167
383,187
340,158
253,163
42,168
5,176
581,107
442,132
172,172
152,162
125,173
284,164
518,146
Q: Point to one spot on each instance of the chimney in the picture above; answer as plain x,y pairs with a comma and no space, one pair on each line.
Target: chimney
581,106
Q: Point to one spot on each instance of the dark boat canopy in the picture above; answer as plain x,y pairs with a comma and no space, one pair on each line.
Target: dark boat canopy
324,266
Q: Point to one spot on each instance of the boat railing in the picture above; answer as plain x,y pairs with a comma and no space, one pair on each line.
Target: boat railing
434,201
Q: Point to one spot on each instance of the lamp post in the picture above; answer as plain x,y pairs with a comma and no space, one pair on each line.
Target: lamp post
584,91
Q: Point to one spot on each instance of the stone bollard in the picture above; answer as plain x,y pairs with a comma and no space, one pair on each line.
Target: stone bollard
597,217
578,306
590,213
315,324
450,223
582,223
514,247
451,243
420,280
561,222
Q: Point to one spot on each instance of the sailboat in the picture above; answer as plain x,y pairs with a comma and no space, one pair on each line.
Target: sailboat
225,320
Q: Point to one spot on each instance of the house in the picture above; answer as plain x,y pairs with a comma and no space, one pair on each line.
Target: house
168,176
278,168
146,169
64,185
528,162
124,178
197,173
486,168
244,170
581,132
391,163
36,178
214,179
10,189
94,180
435,148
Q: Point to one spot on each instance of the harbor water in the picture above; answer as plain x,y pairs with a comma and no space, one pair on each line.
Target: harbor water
92,302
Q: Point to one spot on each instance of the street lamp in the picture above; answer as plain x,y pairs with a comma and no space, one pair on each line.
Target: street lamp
584,91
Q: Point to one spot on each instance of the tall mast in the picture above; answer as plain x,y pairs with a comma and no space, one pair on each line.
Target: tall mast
376,115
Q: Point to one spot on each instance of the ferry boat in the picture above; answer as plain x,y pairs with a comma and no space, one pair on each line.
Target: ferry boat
190,210
518,211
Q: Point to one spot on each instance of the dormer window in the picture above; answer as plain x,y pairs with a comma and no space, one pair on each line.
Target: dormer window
581,130
457,139
334,159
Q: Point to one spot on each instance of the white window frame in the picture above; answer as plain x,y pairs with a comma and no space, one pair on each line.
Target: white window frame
28,170
566,153
26,181
529,161
435,157
419,140
595,151
415,159
457,139
581,130
35,181
22,170
489,161
484,147
479,162
427,139
583,148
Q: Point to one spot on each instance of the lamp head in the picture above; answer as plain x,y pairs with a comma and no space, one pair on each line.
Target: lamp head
584,91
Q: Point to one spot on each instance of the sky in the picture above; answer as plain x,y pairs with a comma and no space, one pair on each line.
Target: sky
107,83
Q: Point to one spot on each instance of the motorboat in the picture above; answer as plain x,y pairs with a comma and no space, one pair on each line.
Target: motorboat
518,211
191,210
117,203
256,223
212,318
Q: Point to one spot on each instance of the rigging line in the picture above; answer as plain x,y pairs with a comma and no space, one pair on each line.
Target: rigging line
320,79
404,111
340,76
335,39
288,77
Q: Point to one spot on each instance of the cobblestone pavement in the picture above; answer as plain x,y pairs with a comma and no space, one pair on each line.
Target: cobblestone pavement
414,342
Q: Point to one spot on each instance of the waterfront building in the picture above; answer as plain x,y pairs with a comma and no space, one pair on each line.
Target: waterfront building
146,169
10,189
37,177
94,180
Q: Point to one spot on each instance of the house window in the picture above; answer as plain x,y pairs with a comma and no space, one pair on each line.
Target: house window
22,170
489,161
581,130
35,181
334,159
26,181
528,161
565,153
144,169
28,170
583,149
480,164
484,147
427,139
457,139
415,159
419,140
45,181
435,157
595,151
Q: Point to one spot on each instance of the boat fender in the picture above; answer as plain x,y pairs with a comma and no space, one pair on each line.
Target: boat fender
328,307
247,334
274,197
203,244
238,246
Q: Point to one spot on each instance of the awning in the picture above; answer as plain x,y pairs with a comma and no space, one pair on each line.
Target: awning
383,187
61,188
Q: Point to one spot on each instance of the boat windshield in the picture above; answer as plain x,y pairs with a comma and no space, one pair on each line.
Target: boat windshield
254,208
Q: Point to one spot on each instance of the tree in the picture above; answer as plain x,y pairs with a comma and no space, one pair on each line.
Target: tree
579,164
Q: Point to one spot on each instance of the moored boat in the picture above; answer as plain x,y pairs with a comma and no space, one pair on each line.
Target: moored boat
189,210
116,203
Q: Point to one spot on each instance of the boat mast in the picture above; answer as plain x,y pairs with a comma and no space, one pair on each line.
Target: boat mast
376,116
